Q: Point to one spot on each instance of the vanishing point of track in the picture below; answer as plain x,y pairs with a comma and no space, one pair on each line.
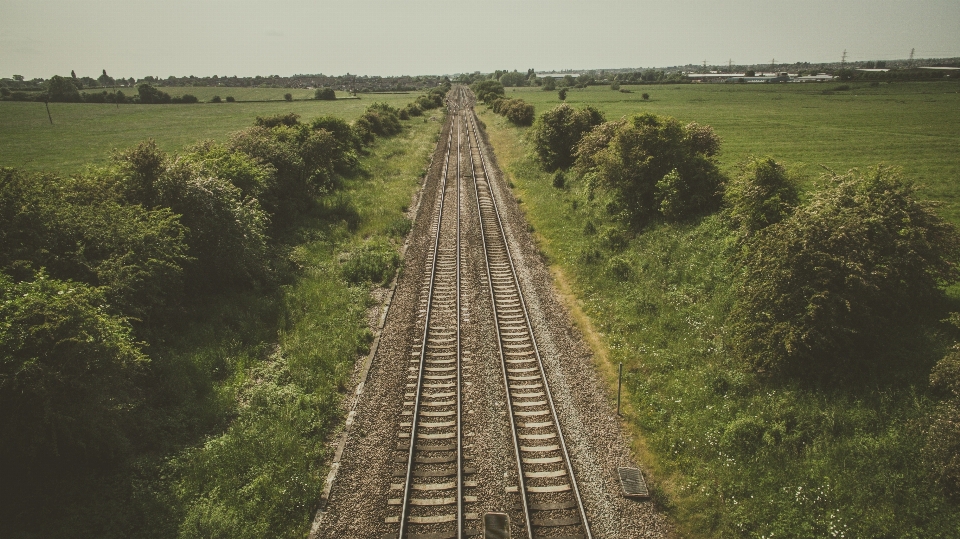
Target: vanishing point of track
436,499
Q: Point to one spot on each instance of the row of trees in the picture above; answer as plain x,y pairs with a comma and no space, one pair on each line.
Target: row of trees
94,267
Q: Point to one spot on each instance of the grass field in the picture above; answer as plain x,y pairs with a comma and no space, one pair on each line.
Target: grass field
730,454
913,125
85,133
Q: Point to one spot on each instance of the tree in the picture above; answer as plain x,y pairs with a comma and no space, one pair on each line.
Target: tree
822,290
488,91
105,80
654,165
18,78
549,84
60,89
327,94
556,133
513,79
562,94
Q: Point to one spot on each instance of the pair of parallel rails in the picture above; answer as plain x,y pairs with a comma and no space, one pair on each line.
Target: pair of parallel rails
436,498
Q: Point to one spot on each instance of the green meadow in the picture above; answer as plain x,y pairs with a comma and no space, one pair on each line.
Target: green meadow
87,133
731,454
807,125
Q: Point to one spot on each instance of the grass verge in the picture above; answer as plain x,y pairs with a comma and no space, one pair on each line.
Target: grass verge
731,455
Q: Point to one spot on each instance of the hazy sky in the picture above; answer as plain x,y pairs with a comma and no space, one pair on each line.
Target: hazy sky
40,38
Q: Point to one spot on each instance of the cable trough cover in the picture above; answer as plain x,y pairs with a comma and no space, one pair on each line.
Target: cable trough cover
633,484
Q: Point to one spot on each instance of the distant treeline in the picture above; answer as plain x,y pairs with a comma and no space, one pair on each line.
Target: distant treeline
347,83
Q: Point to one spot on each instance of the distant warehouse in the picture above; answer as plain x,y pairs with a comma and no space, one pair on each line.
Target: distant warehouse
757,78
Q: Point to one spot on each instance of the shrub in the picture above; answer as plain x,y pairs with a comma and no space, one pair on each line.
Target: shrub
80,229
150,95
518,111
615,87
230,99
288,119
325,94
216,99
941,450
288,97
822,290
559,179
379,119
645,96
562,94
187,98
66,377
653,166
488,91
557,132
761,195
549,84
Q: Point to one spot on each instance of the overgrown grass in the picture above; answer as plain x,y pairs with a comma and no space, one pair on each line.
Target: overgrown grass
86,133
730,454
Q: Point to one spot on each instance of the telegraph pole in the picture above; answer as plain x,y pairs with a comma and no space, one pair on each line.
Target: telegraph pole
843,59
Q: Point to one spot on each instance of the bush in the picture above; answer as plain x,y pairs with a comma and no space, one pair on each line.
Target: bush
562,94
66,378
488,91
288,97
761,195
654,165
645,96
230,99
518,111
289,119
216,99
615,87
379,119
80,229
941,451
150,95
823,290
325,94
557,132
549,84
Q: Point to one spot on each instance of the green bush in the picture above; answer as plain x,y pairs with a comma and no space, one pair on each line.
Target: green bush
488,91
289,119
823,290
761,195
653,166
326,94
81,229
67,371
230,99
379,119
557,132
216,99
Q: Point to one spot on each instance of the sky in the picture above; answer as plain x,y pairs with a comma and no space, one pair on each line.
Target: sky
41,38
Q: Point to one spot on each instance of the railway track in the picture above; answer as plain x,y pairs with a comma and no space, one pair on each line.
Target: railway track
435,494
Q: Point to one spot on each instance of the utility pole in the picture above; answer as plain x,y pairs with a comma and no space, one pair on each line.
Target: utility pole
843,59
704,66
730,65
911,56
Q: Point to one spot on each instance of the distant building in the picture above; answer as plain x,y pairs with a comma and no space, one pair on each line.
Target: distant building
822,77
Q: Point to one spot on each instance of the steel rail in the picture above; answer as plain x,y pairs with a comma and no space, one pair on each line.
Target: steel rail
536,350
405,506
